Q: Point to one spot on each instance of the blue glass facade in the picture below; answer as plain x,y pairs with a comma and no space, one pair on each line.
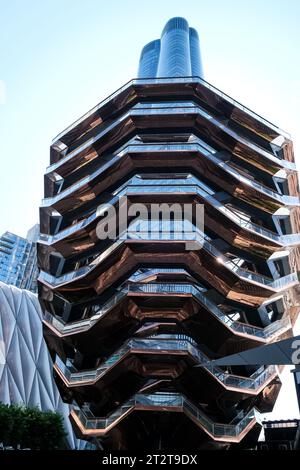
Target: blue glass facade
149,59
176,54
18,262
196,63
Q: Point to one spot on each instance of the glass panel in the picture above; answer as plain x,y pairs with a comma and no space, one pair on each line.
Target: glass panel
172,343
157,288
165,401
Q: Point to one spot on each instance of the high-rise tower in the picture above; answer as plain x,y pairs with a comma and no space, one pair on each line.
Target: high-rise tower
127,318
176,54
18,260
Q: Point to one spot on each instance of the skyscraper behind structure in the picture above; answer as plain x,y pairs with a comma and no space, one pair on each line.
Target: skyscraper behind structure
18,260
127,318
176,54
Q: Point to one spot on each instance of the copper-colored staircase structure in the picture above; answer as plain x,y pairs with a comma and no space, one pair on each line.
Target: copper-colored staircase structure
128,319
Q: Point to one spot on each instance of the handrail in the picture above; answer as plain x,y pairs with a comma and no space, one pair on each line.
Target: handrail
162,288
195,236
167,402
170,343
154,80
192,185
172,110
186,147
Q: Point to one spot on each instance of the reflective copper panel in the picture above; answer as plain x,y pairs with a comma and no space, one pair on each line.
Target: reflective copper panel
128,321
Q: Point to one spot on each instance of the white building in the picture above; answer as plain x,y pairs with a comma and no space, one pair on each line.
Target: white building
26,370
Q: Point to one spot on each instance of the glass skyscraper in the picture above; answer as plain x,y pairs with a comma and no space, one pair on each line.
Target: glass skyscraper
18,259
176,54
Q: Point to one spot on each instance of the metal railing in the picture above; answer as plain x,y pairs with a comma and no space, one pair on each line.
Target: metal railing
172,109
162,186
182,236
196,146
194,79
163,288
165,402
171,343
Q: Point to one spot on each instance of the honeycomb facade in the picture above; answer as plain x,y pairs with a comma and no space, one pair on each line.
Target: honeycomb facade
25,364
127,319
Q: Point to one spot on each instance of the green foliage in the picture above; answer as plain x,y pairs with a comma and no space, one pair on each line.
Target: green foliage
31,428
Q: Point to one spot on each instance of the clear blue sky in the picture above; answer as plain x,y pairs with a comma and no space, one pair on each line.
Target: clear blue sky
58,58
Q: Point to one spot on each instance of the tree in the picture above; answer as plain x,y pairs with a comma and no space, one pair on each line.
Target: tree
27,427
6,423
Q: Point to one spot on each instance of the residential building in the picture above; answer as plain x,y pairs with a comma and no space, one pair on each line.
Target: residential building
18,259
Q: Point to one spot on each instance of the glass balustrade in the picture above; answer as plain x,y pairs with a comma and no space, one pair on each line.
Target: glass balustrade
174,288
183,236
191,80
165,401
163,186
171,108
200,146
148,272
172,343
